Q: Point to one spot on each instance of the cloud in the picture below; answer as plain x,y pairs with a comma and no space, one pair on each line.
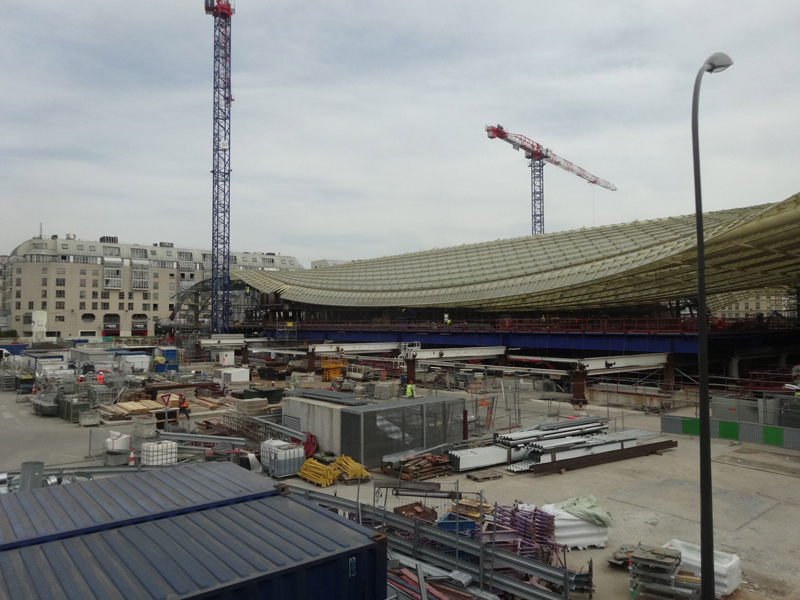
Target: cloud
357,128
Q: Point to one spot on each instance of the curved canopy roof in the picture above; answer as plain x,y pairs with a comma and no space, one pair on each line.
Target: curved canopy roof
618,265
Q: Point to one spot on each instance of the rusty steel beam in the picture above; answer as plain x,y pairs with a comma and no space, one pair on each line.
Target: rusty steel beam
602,458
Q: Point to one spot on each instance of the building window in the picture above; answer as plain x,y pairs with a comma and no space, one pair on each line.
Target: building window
81,305
59,306
44,271
758,305
94,305
104,306
44,305
39,246
169,252
19,282
121,306
171,307
44,293
122,295
153,252
18,305
138,253
145,296
61,271
16,318
171,286
130,295
736,307
44,280
83,271
94,283
155,296
83,294
60,318
736,315
111,251
141,279
145,307
80,247
95,272
30,305
61,282
112,278
746,305
171,276
187,256
155,274
94,295
130,305
105,295
155,306
18,294
86,260
60,294
83,283
155,285
19,270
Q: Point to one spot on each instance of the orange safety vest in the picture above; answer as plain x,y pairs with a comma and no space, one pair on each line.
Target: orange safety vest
183,403
100,378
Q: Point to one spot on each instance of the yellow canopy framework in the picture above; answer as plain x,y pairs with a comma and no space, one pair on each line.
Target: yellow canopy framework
618,265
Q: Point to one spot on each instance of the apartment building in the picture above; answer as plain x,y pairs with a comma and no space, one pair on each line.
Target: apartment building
82,288
764,303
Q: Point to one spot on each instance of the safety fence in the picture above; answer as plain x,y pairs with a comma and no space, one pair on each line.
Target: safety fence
756,433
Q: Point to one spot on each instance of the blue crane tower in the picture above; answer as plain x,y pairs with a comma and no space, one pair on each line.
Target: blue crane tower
221,172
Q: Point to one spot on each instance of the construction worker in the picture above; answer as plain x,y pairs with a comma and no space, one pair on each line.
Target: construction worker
100,379
183,406
410,390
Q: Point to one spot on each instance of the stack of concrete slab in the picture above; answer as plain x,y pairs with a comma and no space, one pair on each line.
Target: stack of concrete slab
574,532
727,567
384,390
252,406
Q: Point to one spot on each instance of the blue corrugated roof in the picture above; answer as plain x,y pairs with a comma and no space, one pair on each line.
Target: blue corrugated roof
270,542
45,514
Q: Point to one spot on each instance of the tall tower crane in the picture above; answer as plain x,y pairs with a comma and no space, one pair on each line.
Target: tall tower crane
538,155
221,173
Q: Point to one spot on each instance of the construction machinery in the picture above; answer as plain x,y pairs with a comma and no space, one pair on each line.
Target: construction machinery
221,212
538,155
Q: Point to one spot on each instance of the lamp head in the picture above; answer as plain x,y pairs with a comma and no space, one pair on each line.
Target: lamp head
719,61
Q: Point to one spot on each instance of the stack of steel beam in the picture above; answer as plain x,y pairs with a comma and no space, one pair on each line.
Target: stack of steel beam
548,431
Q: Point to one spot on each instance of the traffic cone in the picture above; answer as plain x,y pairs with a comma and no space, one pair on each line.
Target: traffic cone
132,460
33,389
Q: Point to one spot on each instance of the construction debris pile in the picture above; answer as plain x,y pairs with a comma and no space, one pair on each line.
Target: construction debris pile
418,467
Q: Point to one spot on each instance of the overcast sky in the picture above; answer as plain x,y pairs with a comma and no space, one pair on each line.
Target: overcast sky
358,127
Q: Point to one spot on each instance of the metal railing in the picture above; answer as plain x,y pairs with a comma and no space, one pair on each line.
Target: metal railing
553,325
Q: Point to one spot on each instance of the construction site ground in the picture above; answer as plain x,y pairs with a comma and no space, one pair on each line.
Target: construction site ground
652,499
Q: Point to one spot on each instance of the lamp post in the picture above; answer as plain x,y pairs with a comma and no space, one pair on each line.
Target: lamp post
713,64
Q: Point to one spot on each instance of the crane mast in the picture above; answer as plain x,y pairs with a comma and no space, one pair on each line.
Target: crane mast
221,171
538,155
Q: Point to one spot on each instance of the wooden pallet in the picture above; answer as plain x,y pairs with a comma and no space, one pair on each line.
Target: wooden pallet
486,476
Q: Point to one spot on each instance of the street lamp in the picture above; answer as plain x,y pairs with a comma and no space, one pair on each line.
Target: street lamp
715,63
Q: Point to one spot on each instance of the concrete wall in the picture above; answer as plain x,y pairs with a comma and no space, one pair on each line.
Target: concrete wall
323,419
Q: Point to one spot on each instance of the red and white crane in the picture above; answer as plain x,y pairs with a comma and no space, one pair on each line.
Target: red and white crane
538,155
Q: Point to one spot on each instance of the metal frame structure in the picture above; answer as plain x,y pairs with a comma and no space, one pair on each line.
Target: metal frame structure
538,155
537,196
221,213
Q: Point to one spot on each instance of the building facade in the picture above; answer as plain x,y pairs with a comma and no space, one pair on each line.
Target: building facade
87,288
